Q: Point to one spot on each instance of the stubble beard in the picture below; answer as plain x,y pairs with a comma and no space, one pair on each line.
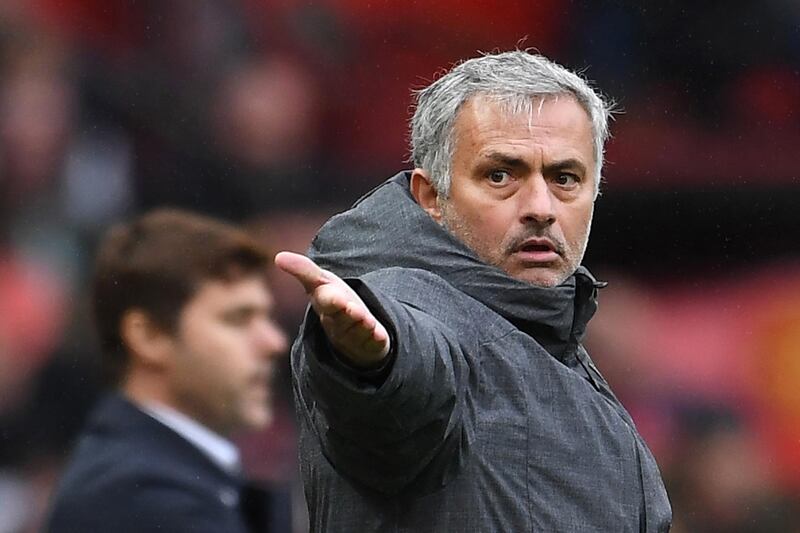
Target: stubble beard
494,254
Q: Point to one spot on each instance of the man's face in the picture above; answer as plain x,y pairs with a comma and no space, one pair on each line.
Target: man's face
223,356
523,186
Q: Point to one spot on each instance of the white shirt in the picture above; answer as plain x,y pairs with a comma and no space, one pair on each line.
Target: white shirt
219,449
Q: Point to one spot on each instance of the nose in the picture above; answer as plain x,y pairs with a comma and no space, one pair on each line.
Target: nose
536,202
271,340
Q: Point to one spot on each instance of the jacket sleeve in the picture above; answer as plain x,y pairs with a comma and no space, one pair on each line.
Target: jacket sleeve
410,427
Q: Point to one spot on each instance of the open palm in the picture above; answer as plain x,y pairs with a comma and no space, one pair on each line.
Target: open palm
348,323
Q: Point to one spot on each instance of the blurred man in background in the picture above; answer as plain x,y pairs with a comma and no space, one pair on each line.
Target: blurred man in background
444,386
184,317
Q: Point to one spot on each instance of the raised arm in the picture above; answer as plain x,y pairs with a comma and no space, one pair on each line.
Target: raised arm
349,325
395,425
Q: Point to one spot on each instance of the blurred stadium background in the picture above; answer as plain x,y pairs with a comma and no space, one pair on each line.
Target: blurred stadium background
279,113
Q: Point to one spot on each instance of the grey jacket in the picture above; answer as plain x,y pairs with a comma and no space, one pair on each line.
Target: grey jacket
490,415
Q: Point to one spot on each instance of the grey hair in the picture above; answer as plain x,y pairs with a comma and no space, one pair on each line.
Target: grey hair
514,79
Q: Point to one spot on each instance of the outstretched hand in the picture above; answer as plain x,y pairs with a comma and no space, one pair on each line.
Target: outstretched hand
350,326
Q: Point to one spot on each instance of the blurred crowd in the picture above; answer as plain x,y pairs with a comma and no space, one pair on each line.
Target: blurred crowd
279,113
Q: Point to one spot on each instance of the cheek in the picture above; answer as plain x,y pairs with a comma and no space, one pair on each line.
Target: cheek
213,351
487,216
576,224
497,221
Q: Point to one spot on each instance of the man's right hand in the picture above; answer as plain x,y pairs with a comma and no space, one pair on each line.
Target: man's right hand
350,326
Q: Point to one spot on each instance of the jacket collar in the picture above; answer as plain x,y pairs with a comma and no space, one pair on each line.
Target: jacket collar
387,228
116,416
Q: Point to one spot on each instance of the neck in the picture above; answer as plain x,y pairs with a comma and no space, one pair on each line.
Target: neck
150,390
145,391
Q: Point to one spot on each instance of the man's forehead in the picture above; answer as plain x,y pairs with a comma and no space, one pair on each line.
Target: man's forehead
245,289
485,120
514,104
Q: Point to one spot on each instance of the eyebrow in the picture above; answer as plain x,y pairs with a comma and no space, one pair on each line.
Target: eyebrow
247,308
518,162
569,163
504,159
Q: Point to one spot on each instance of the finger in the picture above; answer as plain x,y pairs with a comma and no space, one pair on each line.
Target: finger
349,341
330,299
349,330
379,334
352,339
378,341
353,330
367,322
360,313
367,330
303,269
339,324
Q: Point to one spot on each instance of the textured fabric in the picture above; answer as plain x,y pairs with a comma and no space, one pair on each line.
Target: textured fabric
131,473
492,417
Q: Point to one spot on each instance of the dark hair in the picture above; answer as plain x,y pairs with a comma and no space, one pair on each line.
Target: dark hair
156,263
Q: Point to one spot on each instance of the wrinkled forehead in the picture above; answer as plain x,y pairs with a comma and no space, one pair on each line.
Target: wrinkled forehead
514,104
558,118
524,111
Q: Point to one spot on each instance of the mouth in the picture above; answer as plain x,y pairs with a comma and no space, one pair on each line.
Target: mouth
260,392
261,379
537,250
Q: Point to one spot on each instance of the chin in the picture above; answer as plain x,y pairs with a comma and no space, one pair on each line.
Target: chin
541,278
258,418
544,283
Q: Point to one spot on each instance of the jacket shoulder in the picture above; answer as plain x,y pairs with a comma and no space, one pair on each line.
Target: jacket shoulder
143,502
124,478
430,293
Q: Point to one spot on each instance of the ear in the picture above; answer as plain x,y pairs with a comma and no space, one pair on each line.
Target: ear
144,340
423,192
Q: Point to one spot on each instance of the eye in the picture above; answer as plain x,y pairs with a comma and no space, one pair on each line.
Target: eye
567,180
237,317
499,177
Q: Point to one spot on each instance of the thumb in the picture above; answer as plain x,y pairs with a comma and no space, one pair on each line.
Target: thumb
303,269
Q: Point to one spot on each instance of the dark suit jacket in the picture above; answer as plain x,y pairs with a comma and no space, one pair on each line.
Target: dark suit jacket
131,473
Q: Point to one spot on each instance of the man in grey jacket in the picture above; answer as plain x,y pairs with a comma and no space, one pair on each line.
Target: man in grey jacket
440,379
